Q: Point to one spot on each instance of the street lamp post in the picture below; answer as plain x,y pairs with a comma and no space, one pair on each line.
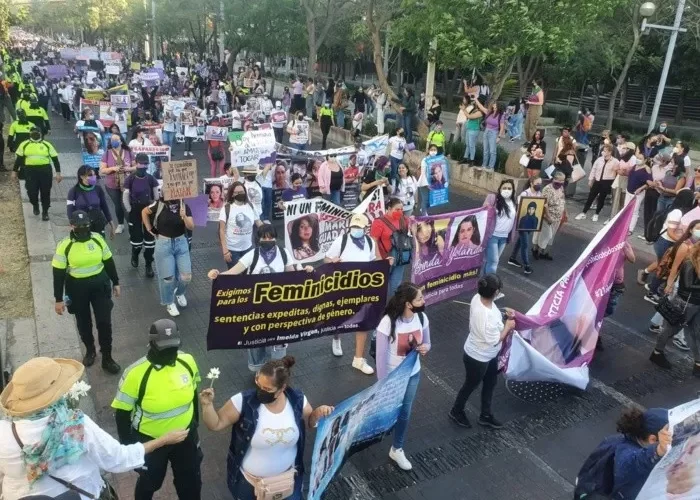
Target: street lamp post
646,10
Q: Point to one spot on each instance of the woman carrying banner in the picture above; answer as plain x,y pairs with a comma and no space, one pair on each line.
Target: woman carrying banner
267,257
236,222
486,334
115,165
331,180
403,329
354,246
382,230
273,405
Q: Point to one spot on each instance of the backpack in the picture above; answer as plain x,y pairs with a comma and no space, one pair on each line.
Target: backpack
256,258
587,124
344,243
401,242
654,229
597,474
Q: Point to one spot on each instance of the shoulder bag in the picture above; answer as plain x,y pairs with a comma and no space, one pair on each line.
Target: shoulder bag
672,309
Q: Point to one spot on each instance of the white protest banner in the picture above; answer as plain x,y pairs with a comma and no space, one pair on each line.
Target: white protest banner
110,56
120,100
107,113
311,226
90,76
247,148
278,116
181,69
68,54
175,106
27,66
676,476
180,180
113,69
158,64
149,77
157,155
215,133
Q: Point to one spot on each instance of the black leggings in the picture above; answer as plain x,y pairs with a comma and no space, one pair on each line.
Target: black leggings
478,372
651,199
65,111
600,189
188,143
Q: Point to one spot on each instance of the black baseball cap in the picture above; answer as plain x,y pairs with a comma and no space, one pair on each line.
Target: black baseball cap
142,158
80,218
164,334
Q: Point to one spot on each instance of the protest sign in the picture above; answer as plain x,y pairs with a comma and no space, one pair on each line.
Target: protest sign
27,66
110,56
158,64
120,100
93,94
187,117
322,153
247,148
530,213
90,76
278,117
450,252
93,104
277,308
149,77
179,179
376,145
439,179
356,423
113,69
181,69
311,226
215,133
88,53
175,106
198,206
91,145
215,188
50,54
555,341
136,66
56,71
676,476
302,132
68,54
157,156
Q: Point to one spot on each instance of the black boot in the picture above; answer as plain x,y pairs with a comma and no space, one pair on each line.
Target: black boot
44,215
89,358
149,270
36,208
134,258
109,365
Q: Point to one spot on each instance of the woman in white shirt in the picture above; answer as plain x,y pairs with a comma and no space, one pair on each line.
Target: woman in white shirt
404,328
503,231
405,188
486,334
269,424
423,180
298,131
236,222
46,448
139,138
397,148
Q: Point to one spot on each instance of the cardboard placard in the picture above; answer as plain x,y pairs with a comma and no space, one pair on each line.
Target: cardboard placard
113,69
136,66
120,100
180,180
181,69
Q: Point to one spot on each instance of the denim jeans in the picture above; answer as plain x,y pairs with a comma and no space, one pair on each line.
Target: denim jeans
405,412
168,138
300,147
494,249
490,137
173,266
664,202
340,119
395,279
424,200
470,149
235,257
408,127
523,245
266,204
258,356
394,167
334,196
515,126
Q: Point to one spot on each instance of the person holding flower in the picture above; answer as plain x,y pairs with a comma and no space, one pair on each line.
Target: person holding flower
257,456
48,448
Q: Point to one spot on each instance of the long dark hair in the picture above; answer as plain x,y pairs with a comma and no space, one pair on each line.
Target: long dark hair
684,201
686,236
294,238
406,292
476,235
82,170
229,193
501,202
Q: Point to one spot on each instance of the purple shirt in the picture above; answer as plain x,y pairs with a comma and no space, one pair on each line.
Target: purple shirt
637,178
108,159
493,122
140,189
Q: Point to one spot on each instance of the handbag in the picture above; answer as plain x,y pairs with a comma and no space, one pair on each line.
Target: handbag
577,173
524,160
672,309
272,488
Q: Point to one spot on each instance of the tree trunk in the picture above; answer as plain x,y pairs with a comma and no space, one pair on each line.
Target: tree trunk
622,77
526,73
500,80
623,99
678,119
378,55
311,33
449,88
645,98
580,99
596,98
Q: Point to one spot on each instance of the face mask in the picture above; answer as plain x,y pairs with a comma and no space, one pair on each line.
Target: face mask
82,233
265,397
506,193
662,128
267,245
239,197
400,134
35,137
537,187
557,185
300,117
115,144
92,180
357,232
432,153
696,234
396,215
418,309
140,171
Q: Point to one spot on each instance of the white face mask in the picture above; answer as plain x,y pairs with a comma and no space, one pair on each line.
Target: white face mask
696,234
432,153
506,193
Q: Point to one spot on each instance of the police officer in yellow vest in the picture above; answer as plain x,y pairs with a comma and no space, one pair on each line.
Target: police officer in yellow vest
37,115
156,395
326,120
19,131
33,162
84,270
436,138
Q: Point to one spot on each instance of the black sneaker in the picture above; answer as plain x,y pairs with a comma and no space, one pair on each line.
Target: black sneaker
696,370
655,329
460,418
546,256
514,262
536,254
599,345
45,216
659,359
527,270
109,365
89,358
489,421
134,260
36,209
652,297
149,270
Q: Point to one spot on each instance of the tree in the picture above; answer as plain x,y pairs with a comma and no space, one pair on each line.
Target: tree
320,17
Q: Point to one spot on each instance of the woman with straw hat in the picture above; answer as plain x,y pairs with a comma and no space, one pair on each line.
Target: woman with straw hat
46,448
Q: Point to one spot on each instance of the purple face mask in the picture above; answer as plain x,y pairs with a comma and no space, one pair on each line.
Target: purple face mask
92,180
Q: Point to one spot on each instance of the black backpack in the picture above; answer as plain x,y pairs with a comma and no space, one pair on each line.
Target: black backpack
401,242
596,478
654,229
256,258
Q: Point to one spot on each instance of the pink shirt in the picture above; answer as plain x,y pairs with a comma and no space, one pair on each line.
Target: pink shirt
108,159
298,88
604,170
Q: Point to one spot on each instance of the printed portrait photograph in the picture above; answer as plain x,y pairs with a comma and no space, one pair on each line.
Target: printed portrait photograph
304,236
467,231
530,214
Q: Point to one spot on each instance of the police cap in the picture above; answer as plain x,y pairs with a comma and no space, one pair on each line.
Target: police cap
164,334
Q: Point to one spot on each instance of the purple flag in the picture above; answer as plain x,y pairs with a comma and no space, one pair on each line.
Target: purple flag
198,206
555,341
450,252
56,71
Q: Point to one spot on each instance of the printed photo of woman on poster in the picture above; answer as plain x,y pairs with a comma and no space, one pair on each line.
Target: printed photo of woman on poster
467,233
429,242
304,236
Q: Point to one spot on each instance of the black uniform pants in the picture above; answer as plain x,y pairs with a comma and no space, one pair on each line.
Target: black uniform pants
185,458
2,144
478,372
38,182
138,236
65,111
601,190
93,293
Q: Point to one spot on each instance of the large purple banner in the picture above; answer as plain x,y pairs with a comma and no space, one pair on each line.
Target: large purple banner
278,308
555,341
450,251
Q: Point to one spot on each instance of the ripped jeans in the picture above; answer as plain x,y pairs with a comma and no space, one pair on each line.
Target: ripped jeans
174,268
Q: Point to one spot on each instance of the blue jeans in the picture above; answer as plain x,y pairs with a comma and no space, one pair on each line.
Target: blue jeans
424,200
266,203
515,126
334,196
395,279
258,356
408,127
340,119
523,245
405,412
173,266
494,249
395,162
470,138
168,138
300,147
660,247
664,203
235,257
490,137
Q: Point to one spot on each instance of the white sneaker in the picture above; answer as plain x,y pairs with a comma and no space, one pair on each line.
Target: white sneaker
500,296
119,229
361,364
608,220
580,217
594,218
181,300
172,310
337,348
399,457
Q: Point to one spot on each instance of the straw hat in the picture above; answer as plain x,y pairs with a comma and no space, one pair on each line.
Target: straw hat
39,383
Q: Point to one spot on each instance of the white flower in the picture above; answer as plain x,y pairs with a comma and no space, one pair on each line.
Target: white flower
214,373
79,389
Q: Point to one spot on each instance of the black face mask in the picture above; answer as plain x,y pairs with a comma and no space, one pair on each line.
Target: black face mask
265,397
417,310
239,197
250,178
82,233
267,245
35,137
164,357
